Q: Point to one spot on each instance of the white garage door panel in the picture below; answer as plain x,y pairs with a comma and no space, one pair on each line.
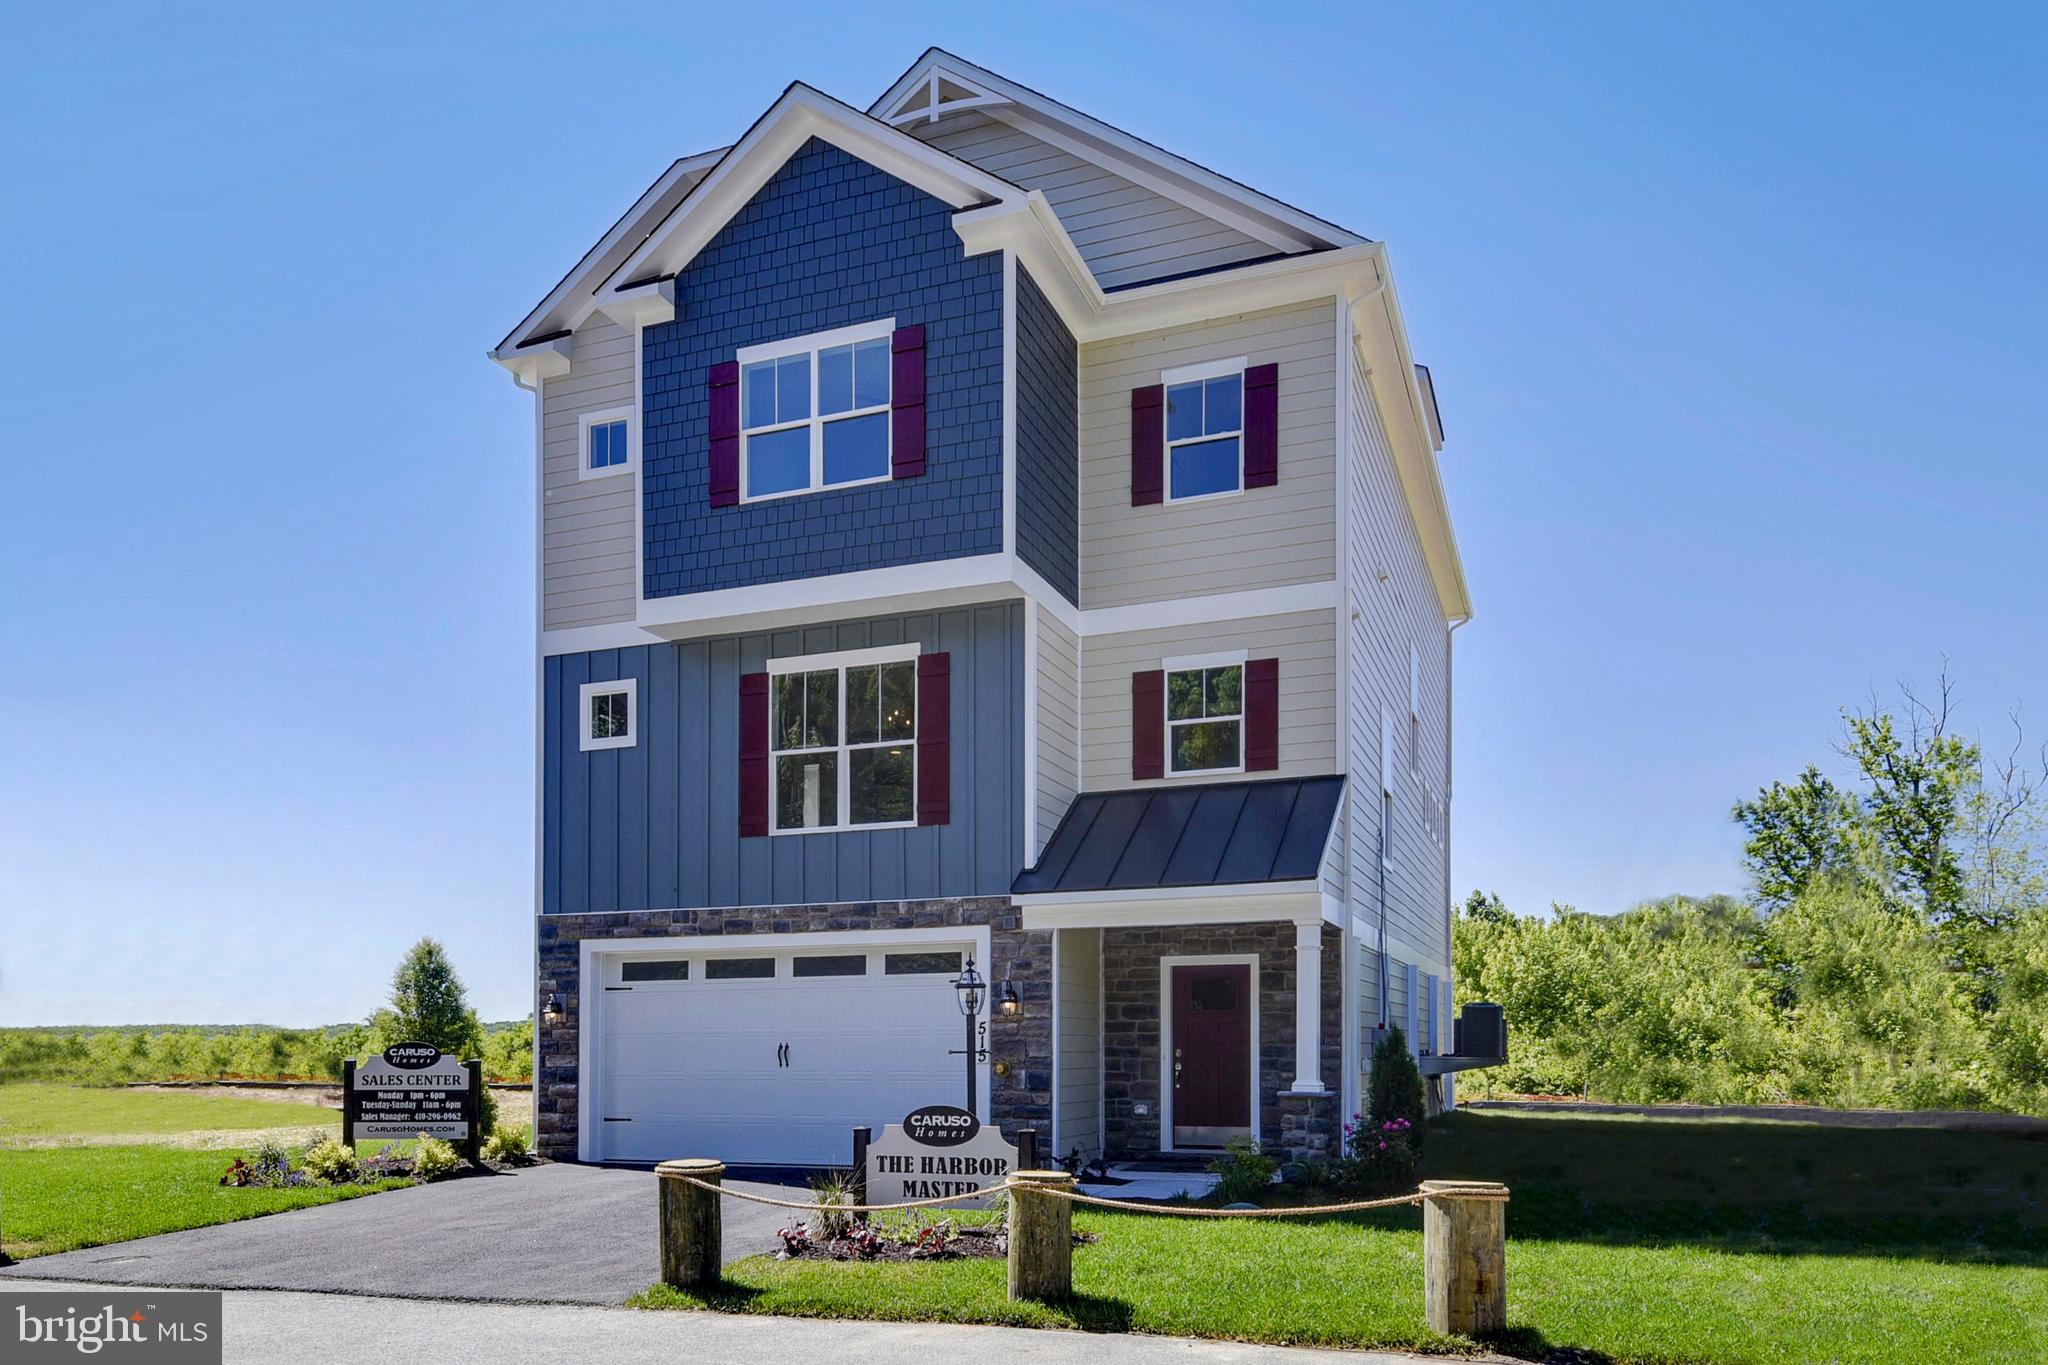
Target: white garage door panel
694,1068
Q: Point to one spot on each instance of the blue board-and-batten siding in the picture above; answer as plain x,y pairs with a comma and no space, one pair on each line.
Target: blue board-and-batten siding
1048,453
655,826
829,241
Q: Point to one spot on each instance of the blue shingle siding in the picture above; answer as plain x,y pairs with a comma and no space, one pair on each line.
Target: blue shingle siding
655,826
1048,461
828,242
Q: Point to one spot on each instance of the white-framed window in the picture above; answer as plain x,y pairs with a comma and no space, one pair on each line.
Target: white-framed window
1205,713
607,443
1204,429
814,412
609,714
843,740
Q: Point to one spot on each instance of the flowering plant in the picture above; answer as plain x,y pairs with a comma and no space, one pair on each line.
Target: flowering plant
1381,1156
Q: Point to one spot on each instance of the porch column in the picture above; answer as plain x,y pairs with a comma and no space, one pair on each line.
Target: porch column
1308,1008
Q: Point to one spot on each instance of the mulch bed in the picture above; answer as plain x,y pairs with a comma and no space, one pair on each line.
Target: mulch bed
963,1244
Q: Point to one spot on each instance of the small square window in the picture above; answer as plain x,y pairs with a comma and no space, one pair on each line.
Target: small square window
609,714
607,443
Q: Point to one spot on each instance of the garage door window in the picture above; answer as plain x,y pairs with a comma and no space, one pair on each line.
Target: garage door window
845,743
843,964
677,969
921,964
739,968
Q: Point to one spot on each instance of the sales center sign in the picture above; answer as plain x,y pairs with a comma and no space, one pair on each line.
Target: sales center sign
411,1089
936,1151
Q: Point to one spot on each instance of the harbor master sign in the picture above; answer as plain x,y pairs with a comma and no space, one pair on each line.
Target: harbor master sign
937,1150
411,1089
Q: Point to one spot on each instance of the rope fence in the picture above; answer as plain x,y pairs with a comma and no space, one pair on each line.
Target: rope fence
1463,1233
1416,1196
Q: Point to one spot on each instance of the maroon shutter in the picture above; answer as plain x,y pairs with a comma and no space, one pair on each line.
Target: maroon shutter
1261,715
934,739
906,403
1262,426
1148,444
725,440
753,754
1148,724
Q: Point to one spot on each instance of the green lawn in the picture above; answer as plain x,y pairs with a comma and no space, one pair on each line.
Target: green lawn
38,1114
1646,1240
60,1198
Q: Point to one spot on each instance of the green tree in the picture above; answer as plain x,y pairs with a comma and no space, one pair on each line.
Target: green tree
1487,906
1395,1086
429,1005
1799,835
1917,771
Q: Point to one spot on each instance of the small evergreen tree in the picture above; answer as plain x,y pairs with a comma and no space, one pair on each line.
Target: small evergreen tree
1395,1091
428,1005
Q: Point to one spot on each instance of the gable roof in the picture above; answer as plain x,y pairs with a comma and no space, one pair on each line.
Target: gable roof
1282,226
1216,834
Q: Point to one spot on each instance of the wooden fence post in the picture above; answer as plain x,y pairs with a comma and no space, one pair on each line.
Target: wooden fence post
861,1138
1041,1237
1464,1256
691,1252
348,1103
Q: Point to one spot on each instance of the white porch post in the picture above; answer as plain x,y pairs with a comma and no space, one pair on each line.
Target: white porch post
1308,1007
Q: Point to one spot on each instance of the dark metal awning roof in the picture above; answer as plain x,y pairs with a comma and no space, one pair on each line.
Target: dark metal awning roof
1215,834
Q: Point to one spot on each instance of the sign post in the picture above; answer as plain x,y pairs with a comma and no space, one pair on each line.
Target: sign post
938,1150
412,1089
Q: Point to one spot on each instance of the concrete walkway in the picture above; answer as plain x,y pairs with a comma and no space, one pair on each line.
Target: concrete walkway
263,1328
546,1234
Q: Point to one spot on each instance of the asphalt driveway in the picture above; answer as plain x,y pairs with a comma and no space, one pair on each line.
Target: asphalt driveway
545,1234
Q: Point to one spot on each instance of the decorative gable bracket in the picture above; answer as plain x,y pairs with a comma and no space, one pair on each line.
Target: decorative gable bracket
640,303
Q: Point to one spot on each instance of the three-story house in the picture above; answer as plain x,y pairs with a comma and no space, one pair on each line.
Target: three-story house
969,531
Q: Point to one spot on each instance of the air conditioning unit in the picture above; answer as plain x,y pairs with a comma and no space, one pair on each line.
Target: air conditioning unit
1480,1030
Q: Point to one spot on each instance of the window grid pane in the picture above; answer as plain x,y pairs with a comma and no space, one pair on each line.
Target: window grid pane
739,968
920,964
837,964
873,754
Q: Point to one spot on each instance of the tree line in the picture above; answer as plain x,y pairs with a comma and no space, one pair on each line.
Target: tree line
1893,952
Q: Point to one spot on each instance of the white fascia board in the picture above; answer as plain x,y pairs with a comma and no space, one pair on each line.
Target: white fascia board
1390,374
1298,902
1215,196
1222,606
543,360
801,114
573,292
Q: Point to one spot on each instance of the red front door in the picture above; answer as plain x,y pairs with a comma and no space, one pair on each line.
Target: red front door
1211,1062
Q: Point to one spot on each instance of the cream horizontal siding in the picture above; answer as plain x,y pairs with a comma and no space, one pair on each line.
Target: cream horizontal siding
1260,538
1059,734
1077,1063
587,525
1305,643
1125,232
1387,616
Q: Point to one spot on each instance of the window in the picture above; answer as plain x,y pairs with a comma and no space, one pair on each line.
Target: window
839,964
739,968
1205,714
814,412
920,964
1213,993
609,711
671,969
607,443
1204,430
843,734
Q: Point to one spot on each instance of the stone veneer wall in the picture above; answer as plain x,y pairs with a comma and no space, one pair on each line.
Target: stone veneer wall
1023,1099
1130,1032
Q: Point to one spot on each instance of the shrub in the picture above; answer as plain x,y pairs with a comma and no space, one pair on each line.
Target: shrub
1243,1173
507,1145
831,1193
433,1158
331,1163
1381,1157
1395,1091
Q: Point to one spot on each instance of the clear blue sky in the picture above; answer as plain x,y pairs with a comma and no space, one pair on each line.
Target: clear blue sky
1736,317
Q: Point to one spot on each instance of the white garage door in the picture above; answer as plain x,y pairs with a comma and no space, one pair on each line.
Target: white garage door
771,1054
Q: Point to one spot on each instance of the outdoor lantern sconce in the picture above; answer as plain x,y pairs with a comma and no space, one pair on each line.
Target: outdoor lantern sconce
1007,1003
971,992
551,1009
